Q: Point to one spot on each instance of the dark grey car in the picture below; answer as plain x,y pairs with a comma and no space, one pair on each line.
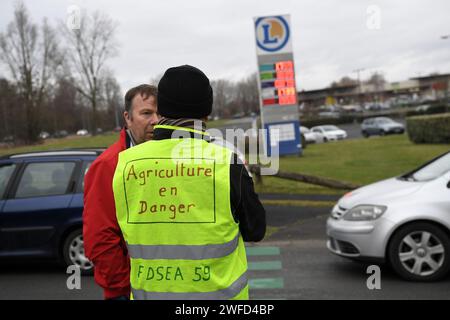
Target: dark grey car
381,126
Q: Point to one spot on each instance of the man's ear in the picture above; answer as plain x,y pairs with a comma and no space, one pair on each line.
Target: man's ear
126,118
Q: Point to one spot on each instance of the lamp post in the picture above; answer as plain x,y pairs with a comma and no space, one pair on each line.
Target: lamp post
358,71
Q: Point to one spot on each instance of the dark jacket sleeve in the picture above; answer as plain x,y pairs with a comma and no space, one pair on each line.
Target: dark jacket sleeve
245,204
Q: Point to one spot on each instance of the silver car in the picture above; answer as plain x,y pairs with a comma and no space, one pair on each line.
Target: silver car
381,126
404,221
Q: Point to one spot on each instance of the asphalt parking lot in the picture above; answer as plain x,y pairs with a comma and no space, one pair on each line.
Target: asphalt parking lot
292,263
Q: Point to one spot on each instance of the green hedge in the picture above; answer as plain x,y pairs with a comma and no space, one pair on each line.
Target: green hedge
429,129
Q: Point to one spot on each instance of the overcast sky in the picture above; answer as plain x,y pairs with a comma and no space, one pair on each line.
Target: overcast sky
330,38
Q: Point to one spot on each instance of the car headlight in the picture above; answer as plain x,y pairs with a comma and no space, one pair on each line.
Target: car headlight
365,212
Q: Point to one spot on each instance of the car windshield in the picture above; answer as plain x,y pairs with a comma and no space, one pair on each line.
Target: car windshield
432,170
384,120
330,128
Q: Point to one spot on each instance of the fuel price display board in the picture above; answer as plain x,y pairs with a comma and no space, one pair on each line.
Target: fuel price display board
278,83
277,86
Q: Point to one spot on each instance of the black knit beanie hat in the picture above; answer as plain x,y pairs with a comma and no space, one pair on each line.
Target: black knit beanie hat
184,92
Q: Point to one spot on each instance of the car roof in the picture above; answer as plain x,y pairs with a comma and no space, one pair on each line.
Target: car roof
326,125
375,118
57,153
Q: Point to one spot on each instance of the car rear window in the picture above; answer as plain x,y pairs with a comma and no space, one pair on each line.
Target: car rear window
6,172
45,179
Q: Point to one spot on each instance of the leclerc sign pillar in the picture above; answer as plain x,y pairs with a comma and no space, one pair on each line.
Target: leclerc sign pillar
276,82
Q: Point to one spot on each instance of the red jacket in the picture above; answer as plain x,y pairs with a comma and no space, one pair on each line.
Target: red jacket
103,241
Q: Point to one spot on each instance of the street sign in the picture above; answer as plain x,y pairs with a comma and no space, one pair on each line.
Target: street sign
276,82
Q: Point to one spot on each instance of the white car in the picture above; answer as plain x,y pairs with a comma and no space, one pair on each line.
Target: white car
352,108
404,221
82,132
311,137
330,132
44,135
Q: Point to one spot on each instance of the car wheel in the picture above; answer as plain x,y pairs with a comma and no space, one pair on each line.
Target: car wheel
325,139
73,253
365,134
420,252
382,133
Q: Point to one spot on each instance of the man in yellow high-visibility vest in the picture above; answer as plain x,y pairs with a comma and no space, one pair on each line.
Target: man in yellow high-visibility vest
185,205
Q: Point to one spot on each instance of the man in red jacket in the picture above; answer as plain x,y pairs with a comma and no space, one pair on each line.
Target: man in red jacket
103,241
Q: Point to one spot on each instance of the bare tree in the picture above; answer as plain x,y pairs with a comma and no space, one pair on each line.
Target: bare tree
32,56
222,91
234,98
247,94
89,47
11,114
113,99
64,111
377,80
345,81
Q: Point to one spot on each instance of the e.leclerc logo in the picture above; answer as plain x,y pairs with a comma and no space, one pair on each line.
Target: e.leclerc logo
272,33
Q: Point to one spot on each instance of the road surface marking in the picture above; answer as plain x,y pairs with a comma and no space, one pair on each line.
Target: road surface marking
264,265
262,251
266,283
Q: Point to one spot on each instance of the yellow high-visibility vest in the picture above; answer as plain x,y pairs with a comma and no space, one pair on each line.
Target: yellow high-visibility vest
173,207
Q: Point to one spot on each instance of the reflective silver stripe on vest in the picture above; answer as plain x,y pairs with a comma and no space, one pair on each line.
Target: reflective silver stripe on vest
186,252
224,294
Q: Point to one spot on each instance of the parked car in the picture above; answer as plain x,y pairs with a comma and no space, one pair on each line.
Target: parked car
422,108
404,221
8,139
329,114
41,205
61,134
310,136
330,132
44,135
352,108
427,99
82,132
238,115
380,126
376,106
